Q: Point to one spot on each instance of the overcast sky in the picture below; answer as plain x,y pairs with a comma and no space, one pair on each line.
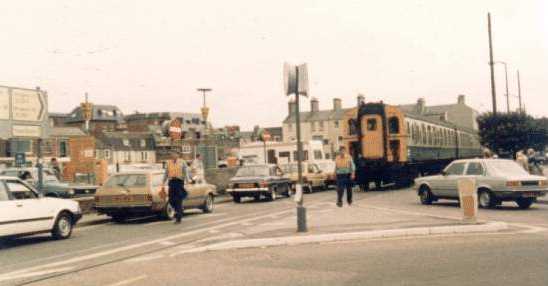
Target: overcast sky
152,55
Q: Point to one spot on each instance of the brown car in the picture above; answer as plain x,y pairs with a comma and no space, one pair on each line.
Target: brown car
313,177
138,193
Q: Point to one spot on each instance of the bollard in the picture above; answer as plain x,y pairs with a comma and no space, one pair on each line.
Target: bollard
468,200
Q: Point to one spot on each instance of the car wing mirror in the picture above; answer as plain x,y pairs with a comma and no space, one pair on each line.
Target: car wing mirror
443,173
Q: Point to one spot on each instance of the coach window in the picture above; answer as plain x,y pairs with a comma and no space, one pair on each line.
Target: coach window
394,125
371,124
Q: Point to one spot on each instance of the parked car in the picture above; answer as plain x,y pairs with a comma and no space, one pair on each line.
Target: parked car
497,180
138,193
23,211
258,180
313,177
52,187
328,168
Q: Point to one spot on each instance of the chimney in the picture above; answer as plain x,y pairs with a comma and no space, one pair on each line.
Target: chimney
421,105
292,107
361,99
314,105
337,104
461,99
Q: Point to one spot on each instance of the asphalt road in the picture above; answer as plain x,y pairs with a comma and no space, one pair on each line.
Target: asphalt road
99,254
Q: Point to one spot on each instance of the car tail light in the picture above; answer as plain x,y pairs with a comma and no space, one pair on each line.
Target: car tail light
263,184
543,183
513,183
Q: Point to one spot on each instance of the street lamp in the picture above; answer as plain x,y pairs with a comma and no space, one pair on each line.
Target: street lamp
506,78
204,109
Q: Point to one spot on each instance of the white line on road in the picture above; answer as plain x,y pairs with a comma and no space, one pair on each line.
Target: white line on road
129,281
32,274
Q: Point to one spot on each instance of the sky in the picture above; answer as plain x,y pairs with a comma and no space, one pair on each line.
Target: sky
151,56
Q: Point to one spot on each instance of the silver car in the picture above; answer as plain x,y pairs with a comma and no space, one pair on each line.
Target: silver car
497,180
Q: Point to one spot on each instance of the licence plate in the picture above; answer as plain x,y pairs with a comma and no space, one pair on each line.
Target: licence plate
246,186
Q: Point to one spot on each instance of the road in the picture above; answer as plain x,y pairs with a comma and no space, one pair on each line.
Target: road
112,253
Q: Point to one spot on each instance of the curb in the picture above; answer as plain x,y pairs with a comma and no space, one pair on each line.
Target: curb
335,237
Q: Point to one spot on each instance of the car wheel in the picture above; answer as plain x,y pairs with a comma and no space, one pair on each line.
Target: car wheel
236,198
524,203
425,195
486,199
208,204
62,228
167,213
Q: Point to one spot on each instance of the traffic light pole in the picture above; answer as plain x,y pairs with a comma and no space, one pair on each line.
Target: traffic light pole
301,210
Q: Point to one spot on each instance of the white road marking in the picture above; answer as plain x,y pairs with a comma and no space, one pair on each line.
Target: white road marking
214,231
129,281
236,221
167,243
145,258
32,274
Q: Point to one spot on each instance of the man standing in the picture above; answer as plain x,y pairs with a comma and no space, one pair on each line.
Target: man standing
197,167
176,174
345,171
55,166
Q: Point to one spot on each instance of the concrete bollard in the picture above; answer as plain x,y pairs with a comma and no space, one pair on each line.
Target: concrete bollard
468,200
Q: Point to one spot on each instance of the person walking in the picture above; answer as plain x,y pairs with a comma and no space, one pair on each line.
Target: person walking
54,164
176,174
522,160
197,167
345,172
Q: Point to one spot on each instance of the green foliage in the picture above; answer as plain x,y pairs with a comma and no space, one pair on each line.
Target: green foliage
509,132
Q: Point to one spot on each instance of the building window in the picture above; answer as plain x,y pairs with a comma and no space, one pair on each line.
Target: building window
127,156
186,149
63,149
285,155
317,155
19,146
143,143
371,124
107,154
394,125
336,123
321,125
144,156
352,128
313,126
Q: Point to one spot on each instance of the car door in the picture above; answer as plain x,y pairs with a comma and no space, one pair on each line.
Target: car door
8,213
447,185
193,190
475,170
31,212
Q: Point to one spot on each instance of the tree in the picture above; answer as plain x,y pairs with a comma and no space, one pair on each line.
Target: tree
508,133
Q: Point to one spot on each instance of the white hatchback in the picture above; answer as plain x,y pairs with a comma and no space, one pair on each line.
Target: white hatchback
23,211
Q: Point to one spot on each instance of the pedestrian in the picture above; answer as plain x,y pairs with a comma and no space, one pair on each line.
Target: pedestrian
197,167
522,160
54,164
535,167
345,171
176,174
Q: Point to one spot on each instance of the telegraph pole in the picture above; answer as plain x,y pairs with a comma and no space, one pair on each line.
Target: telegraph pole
491,64
301,211
519,95
506,78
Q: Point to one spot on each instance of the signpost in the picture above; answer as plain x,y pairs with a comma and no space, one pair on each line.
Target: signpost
23,115
296,82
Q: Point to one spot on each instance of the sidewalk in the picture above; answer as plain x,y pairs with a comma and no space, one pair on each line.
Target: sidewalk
329,223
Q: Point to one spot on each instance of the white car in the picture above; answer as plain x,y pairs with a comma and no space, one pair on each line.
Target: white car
23,211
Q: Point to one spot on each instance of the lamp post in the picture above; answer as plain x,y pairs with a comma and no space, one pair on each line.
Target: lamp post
506,78
204,109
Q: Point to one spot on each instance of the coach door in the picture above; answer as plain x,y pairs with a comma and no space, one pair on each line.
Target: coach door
372,137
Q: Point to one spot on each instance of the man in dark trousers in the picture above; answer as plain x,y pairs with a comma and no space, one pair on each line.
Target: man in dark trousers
177,173
345,171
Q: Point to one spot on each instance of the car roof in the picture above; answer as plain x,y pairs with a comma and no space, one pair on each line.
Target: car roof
484,160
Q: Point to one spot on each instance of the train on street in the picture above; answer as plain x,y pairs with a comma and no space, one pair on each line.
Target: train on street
391,145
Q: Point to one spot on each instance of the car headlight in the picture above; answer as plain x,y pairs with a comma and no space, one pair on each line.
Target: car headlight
513,183
70,192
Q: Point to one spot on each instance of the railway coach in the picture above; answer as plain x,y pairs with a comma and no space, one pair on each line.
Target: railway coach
395,146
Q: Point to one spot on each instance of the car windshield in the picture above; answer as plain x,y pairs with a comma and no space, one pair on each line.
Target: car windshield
127,181
506,168
252,171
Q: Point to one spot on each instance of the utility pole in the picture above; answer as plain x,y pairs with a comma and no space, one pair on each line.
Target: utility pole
301,211
491,64
519,95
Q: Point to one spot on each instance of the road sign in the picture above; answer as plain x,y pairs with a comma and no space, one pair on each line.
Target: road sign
23,113
290,79
175,130
20,159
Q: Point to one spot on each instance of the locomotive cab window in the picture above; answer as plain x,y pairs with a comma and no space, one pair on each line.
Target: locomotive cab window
371,124
394,125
